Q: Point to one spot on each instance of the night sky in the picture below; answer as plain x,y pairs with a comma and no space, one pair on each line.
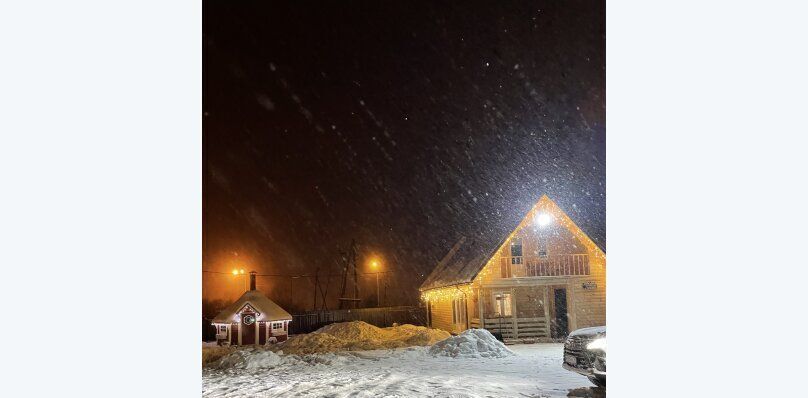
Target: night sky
401,124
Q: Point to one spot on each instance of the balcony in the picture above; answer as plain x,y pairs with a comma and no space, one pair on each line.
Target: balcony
549,266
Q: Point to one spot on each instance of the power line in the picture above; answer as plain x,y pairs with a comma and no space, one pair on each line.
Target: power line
296,276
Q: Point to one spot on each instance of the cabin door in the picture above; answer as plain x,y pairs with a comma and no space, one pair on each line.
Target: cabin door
247,328
234,333
559,326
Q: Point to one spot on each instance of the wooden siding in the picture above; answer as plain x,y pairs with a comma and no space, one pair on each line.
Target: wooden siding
557,239
529,301
441,315
531,295
589,305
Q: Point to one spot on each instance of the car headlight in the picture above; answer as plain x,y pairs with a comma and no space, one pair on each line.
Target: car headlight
597,344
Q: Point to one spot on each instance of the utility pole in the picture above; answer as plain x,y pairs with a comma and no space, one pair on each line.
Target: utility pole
290,289
378,297
316,285
324,293
349,261
355,280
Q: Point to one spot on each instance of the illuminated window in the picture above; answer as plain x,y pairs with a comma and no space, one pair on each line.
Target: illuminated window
516,251
458,311
502,304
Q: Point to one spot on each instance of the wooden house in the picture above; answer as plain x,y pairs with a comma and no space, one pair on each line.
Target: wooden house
543,279
252,319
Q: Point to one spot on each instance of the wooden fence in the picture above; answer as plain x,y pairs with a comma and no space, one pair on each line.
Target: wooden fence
381,317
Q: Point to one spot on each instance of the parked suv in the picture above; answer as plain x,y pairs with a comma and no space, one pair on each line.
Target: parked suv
585,353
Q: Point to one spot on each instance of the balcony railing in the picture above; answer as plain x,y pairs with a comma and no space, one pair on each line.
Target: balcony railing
555,265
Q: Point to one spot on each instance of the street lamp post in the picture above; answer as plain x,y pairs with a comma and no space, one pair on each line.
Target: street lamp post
375,265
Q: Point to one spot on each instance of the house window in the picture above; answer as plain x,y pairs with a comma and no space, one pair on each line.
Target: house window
277,325
222,328
502,304
516,251
458,311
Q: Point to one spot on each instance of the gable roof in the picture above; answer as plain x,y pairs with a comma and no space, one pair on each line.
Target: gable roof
266,308
470,254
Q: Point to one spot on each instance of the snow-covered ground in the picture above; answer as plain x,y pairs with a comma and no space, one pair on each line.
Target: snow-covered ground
535,371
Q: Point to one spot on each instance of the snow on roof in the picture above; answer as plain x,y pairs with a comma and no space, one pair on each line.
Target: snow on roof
466,258
266,308
470,254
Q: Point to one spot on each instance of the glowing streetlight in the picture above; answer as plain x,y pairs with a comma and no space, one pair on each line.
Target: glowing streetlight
237,272
375,265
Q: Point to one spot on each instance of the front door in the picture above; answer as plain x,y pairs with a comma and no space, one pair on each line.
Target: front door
262,333
560,324
234,333
248,328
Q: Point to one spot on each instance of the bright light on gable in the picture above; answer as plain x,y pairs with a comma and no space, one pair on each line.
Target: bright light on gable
543,219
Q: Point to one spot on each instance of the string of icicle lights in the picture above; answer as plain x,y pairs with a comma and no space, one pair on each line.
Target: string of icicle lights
447,293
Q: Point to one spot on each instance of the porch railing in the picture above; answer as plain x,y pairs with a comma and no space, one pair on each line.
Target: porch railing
555,265
514,328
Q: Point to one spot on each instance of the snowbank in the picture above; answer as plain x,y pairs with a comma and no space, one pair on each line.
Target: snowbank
358,335
297,350
252,358
211,354
535,371
473,343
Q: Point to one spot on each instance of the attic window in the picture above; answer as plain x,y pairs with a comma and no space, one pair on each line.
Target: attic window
516,251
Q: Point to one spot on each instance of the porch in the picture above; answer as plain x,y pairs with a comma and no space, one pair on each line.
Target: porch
540,308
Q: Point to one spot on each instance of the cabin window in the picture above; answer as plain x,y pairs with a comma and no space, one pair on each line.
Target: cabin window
458,311
277,325
516,251
222,328
502,304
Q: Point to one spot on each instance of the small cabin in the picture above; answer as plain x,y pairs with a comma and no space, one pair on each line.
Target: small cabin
253,319
543,279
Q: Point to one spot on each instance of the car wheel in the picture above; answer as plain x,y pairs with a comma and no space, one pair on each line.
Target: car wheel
600,382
